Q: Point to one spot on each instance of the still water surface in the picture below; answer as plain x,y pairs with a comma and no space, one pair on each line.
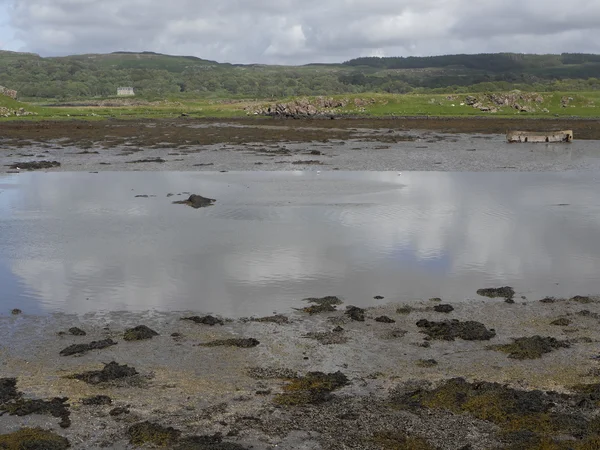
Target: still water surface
79,242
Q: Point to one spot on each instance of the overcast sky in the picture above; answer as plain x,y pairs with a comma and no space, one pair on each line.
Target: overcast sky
299,31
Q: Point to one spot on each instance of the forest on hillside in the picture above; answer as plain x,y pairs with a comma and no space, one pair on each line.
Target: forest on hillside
156,75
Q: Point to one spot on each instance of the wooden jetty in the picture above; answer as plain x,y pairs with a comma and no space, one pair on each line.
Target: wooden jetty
531,136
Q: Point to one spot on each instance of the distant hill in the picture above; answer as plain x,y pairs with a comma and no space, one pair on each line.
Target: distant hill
155,75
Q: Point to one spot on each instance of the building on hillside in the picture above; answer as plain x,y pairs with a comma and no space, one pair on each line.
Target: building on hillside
122,91
8,92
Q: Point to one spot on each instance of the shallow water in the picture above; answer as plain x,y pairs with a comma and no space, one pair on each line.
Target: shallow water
79,242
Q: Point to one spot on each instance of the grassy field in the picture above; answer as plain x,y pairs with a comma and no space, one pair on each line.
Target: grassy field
548,105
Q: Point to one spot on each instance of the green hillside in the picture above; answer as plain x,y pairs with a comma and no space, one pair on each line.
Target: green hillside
156,76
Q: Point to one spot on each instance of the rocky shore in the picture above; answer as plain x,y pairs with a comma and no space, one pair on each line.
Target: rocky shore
498,371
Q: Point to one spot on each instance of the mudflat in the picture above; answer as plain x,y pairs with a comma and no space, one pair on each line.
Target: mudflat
450,144
484,374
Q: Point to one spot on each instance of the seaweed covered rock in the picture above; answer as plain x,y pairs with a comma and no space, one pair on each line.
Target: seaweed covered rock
314,387
320,305
530,347
449,330
16,312
145,433
196,201
207,442
505,292
34,165
233,342
97,400
77,331
511,409
355,313
384,319
279,319
111,371
561,322
55,407
336,336
84,348
397,440
33,439
204,320
8,390
443,308
139,333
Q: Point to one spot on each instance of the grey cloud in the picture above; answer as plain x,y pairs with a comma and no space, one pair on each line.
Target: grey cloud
293,31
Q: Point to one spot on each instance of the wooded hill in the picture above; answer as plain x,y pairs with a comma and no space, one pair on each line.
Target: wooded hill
154,75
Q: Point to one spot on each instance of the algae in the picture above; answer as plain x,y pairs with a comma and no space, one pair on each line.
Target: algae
269,373
452,329
196,201
384,319
562,322
77,331
443,308
33,439
355,313
233,342
323,304
530,347
328,337
207,442
139,333
97,400
581,299
144,433
405,310
111,371
84,348
427,363
506,292
8,390
55,407
313,388
277,318
396,440
204,320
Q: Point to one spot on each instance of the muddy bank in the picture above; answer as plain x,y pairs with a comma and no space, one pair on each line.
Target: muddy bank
485,375
474,144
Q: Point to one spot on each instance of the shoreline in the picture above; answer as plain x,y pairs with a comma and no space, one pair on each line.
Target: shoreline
277,144
245,393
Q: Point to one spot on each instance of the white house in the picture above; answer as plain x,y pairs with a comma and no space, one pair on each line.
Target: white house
125,91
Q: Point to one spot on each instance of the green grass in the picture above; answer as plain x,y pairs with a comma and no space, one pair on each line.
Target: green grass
584,105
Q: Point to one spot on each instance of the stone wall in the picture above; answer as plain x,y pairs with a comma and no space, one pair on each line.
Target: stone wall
8,92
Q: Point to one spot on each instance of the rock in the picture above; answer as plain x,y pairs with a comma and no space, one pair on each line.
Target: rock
84,348
33,439
234,342
506,292
278,319
77,331
324,304
196,201
313,388
111,371
145,433
97,400
562,322
16,312
427,363
336,336
355,313
8,390
55,407
205,320
139,333
530,347
34,165
443,308
378,297
450,330
384,319
118,411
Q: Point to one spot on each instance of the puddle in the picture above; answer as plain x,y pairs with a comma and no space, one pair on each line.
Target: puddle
78,242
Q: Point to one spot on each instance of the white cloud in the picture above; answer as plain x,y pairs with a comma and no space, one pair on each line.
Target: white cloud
294,31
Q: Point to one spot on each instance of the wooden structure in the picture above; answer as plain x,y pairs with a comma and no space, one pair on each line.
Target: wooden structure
531,136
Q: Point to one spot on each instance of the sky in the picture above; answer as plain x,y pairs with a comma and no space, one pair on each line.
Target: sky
299,31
